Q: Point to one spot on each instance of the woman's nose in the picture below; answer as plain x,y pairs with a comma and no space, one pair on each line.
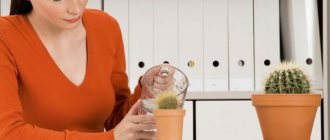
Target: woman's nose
74,7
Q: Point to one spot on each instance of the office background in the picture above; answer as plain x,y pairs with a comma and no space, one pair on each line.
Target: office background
225,47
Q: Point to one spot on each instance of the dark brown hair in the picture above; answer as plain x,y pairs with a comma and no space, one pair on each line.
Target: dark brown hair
20,7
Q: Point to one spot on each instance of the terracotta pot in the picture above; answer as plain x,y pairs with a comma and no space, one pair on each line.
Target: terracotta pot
286,116
169,123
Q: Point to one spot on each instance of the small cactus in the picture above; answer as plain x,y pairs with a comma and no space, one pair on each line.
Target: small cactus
288,78
167,100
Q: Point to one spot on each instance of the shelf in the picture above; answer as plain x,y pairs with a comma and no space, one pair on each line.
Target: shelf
227,95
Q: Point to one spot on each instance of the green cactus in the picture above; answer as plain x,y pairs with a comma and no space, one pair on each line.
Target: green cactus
167,100
287,78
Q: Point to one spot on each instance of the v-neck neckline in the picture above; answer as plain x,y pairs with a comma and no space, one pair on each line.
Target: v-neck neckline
51,60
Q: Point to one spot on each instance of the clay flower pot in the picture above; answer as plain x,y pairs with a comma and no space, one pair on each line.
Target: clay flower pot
286,116
169,123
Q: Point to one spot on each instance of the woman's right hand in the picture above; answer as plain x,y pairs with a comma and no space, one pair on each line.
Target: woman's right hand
135,127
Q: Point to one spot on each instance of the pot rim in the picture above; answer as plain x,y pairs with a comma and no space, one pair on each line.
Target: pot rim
306,100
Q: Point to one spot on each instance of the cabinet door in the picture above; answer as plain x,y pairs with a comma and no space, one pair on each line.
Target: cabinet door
227,120
316,131
234,120
188,121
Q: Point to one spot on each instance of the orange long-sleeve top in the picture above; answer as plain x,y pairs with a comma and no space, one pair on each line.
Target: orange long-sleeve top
37,101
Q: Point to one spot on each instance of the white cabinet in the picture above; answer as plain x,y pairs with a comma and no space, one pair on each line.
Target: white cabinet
234,120
188,121
227,120
316,131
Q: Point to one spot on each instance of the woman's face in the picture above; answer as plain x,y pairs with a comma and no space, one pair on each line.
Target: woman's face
64,14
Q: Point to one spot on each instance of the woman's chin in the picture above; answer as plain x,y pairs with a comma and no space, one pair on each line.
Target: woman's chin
71,26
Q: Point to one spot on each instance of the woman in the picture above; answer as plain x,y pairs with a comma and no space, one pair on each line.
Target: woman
62,75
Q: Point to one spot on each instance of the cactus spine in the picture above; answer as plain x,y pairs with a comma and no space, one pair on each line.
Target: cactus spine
287,78
167,100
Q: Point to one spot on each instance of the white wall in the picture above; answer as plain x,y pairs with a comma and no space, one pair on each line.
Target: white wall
5,7
94,4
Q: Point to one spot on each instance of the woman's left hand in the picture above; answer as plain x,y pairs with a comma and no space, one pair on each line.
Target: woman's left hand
159,78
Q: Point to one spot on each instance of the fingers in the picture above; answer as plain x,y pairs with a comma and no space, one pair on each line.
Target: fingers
134,109
140,119
143,135
148,77
162,80
147,135
163,71
139,131
143,126
141,110
163,85
134,127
